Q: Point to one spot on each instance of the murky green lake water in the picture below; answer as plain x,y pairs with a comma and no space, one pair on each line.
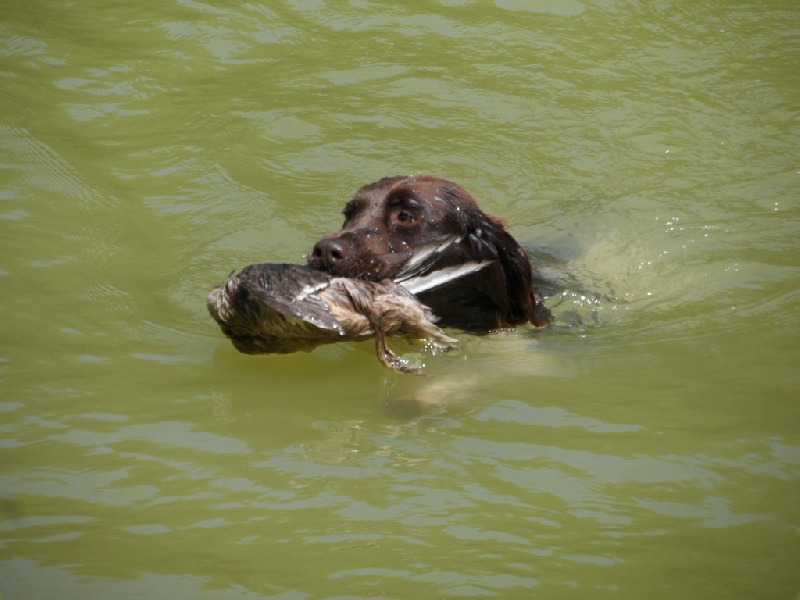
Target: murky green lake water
647,445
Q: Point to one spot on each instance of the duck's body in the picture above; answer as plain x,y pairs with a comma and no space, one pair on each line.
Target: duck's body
280,308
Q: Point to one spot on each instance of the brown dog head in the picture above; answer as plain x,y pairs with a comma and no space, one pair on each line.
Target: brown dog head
433,224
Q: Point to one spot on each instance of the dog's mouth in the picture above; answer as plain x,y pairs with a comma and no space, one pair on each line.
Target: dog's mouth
344,256
360,265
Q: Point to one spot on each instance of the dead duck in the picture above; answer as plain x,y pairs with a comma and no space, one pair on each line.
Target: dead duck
282,308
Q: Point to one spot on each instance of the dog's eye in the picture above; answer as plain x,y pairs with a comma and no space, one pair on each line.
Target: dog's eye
404,217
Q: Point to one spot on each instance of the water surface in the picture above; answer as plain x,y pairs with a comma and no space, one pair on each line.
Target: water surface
646,445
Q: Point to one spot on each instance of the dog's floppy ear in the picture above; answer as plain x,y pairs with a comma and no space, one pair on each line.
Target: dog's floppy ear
509,282
517,272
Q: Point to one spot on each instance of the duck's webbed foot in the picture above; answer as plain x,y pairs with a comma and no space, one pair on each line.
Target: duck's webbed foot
385,317
389,358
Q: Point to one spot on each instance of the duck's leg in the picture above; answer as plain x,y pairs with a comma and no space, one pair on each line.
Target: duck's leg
364,302
385,354
362,295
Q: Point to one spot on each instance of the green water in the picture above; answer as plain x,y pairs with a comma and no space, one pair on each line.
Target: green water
645,446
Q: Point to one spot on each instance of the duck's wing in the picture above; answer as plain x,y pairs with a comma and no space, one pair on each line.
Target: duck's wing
421,274
425,257
290,291
447,275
